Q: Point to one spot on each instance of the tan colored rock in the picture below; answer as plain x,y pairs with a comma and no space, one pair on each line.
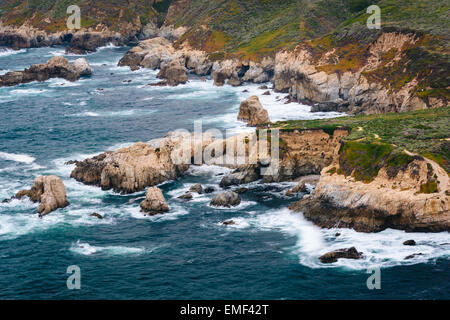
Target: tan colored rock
174,73
386,202
253,112
154,202
226,199
82,67
141,165
49,191
56,67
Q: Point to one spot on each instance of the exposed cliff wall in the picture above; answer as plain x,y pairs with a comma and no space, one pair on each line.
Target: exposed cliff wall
28,24
408,193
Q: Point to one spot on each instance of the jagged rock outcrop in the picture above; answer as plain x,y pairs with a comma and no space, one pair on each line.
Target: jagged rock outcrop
307,79
154,202
260,72
82,67
389,201
306,152
230,69
141,165
242,175
49,191
159,53
173,73
57,67
150,54
226,199
27,36
350,253
252,111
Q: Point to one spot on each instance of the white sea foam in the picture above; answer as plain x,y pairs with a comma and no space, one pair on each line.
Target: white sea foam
59,82
23,158
9,52
122,113
176,210
207,171
384,249
28,91
87,249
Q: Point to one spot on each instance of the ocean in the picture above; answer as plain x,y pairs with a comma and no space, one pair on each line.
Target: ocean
270,253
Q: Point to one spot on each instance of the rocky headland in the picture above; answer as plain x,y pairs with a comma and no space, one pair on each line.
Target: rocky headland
57,67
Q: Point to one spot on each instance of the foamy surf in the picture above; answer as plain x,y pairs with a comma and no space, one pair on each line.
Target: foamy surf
112,114
23,158
86,249
384,249
8,52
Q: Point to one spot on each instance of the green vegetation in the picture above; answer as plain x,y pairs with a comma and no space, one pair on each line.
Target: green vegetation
51,15
429,187
424,132
364,159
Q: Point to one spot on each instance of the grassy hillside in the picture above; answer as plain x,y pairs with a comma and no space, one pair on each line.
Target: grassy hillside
252,28
425,132
51,15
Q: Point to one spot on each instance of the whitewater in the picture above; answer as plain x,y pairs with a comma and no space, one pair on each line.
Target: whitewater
270,253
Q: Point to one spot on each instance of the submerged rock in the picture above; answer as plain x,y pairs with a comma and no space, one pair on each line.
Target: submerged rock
209,190
409,243
240,190
252,112
226,199
154,202
228,222
333,256
49,191
97,215
412,256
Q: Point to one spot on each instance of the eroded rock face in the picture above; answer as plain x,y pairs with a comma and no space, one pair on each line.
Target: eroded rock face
386,202
252,111
298,73
306,152
350,253
226,199
173,73
141,165
57,67
196,188
82,67
242,175
154,202
150,54
49,191
28,37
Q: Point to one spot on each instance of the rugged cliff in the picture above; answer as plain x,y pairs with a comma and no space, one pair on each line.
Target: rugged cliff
321,52
27,24
373,184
